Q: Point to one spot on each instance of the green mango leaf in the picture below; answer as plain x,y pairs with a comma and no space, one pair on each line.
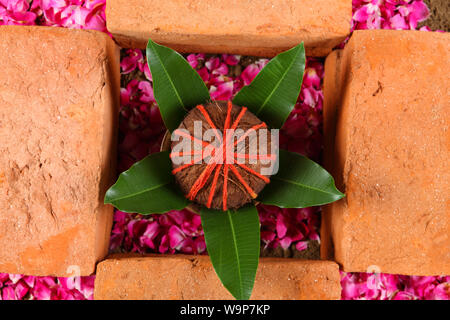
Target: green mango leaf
233,240
147,187
176,86
299,183
273,93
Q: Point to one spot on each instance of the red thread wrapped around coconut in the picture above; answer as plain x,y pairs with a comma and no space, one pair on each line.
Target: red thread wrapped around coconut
211,176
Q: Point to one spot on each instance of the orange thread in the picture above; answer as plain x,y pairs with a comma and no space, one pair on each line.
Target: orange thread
201,181
265,179
186,135
225,186
242,181
208,119
227,120
255,127
213,186
238,119
213,164
182,167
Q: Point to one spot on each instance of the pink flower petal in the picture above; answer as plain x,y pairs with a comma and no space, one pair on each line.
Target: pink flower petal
8,293
130,62
311,78
231,59
361,14
176,237
398,22
222,92
146,92
285,242
212,63
249,73
41,291
301,245
21,290
281,226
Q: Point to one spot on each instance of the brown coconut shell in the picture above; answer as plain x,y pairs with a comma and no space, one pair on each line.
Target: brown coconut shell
239,190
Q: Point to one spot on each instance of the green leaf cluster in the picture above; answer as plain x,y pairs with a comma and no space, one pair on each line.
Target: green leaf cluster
232,237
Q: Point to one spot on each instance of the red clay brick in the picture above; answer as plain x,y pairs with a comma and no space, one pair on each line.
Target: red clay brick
58,111
173,277
247,27
387,106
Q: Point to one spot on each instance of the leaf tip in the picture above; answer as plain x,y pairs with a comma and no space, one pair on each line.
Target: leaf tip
150,42
108,199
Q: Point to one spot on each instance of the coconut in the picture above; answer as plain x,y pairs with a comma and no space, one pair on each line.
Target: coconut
220,155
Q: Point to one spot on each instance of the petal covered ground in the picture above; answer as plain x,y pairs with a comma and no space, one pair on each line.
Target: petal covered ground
141,132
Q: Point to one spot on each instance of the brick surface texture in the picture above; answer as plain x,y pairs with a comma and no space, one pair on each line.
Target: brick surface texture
58,112
161,277
386,122
248,27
